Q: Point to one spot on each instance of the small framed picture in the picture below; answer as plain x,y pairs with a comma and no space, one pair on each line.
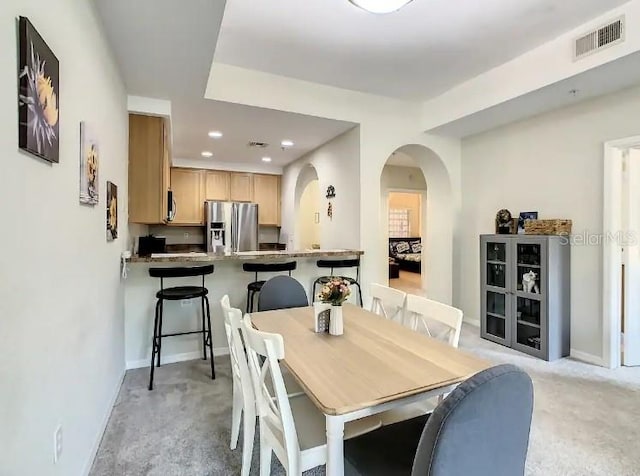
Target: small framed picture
524,216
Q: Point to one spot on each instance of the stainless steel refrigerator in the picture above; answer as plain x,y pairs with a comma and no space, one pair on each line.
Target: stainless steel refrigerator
244,227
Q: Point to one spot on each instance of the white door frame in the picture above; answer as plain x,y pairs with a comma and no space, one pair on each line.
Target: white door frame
611,248
423,222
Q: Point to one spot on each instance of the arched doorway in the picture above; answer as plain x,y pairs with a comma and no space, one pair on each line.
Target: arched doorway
308,203
416,170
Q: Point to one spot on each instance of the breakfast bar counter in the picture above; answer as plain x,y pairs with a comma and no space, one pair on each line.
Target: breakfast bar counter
228,278
243,256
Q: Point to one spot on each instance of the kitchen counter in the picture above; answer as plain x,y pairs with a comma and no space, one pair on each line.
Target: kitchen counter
241,256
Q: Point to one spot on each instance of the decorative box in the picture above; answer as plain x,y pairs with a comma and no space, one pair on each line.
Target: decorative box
321,316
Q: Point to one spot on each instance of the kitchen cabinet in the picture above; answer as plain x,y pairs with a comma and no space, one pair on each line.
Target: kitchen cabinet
241,187
187,188
148,169
216,185
266,193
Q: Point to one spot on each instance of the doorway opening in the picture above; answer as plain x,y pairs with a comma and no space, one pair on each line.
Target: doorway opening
621,253
308,224
404,193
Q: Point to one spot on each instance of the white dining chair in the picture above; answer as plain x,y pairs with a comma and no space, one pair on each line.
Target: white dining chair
292,428
243,399
439,321
436,319
388,302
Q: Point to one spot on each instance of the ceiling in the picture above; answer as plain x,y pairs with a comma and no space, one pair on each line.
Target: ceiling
416,53
240,124
608,78
164,49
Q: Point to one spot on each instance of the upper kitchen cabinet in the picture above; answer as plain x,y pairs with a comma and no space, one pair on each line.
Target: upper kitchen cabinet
216,185
187,188
148,169
266,193
241,187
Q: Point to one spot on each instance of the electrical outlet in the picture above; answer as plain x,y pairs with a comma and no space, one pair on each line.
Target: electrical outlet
186,235
185,303
57,444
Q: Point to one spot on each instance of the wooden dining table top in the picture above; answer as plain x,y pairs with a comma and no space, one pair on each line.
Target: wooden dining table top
375,361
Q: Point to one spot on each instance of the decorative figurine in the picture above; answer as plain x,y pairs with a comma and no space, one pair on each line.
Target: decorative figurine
529,283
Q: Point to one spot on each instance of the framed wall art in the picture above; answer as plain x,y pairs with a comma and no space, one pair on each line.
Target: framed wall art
38,93
89,163
112,211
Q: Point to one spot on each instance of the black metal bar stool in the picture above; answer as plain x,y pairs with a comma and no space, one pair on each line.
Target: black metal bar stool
339,264
179,293
256,286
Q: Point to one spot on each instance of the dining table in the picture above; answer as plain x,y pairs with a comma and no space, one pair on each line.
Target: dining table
376,365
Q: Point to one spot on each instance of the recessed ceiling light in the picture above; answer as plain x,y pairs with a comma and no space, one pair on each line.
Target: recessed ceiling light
215,134
286,143
266,159
206,153
380,6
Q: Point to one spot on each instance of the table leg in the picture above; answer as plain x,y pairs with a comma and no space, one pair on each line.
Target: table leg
335,445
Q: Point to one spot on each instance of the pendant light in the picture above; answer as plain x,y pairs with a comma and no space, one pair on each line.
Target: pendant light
380,6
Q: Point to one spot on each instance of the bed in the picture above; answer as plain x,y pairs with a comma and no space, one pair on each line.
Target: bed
407,252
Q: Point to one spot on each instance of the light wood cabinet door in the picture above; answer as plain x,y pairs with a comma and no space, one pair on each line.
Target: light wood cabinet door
186,185
241,187
216,185
148,169
266,193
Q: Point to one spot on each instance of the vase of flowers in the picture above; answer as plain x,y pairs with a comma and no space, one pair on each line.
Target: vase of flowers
335,292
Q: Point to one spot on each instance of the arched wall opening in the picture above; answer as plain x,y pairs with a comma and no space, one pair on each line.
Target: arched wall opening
437,219
307,229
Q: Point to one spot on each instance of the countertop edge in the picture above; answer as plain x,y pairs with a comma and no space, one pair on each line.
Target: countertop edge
212,257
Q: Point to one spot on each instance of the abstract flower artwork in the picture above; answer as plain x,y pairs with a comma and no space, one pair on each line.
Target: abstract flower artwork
89,162
38,93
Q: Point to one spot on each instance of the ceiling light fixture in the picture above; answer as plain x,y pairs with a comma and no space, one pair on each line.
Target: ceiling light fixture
207,154
215,134
266,159
286,143
380,6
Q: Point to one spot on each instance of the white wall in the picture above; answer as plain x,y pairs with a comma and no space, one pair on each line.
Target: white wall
402,178
336,163
61,298
552,163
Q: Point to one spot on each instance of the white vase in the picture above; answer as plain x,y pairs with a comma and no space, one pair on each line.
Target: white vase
336,326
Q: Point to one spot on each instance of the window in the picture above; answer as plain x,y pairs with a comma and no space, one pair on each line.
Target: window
399,224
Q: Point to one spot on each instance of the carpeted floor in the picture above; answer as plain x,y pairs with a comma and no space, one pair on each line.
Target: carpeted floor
586,420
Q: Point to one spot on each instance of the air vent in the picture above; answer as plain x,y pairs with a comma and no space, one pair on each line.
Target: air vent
600,38
259,145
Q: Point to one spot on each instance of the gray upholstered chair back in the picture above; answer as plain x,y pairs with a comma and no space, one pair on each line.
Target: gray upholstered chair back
481,428
282,292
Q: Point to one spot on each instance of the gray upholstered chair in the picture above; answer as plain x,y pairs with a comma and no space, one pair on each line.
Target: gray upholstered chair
282,292
480,429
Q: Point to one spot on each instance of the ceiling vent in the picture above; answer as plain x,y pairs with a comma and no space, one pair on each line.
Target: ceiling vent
258,145
600,38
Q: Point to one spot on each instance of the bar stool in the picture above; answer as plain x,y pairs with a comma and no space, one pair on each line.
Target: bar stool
179,293
339,264
256,286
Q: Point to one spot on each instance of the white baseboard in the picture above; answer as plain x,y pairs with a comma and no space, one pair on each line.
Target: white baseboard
472,322
586,357
173,358
103,427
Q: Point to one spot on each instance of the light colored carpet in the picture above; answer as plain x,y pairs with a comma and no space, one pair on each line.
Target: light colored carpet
586,420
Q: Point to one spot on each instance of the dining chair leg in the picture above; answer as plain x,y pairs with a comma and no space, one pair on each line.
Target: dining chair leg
265,455
249,431
236,416
249,307
153,346
213,368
